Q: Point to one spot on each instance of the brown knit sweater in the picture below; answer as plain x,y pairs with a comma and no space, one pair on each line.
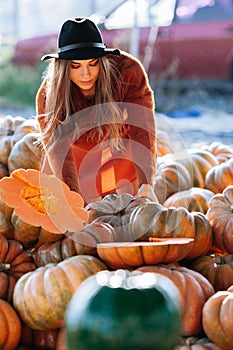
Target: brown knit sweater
135,91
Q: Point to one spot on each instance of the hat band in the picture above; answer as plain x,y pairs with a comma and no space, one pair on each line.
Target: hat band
80,45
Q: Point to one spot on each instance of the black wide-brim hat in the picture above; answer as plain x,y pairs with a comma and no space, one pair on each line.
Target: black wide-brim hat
80,39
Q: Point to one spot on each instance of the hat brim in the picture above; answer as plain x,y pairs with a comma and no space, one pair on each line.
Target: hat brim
83,54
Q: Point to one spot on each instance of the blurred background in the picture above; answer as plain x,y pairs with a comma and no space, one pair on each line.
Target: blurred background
186,47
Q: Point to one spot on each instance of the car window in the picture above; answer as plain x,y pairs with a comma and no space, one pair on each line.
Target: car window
203,10
144,13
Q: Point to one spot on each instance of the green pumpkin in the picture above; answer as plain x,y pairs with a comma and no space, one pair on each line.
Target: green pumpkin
119,310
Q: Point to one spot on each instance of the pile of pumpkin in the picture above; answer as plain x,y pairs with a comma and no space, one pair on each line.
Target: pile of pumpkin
41,272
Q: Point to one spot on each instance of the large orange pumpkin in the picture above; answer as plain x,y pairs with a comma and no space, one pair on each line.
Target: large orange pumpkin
217,318
154,220
134,254
41,296
10,326
220,216
13,129
14,262
220,176
195,290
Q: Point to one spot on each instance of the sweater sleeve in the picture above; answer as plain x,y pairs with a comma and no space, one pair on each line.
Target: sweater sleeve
141,118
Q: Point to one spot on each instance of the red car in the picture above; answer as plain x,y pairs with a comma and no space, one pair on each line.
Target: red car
174,39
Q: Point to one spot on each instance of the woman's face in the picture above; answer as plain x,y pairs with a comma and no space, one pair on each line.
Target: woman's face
84,74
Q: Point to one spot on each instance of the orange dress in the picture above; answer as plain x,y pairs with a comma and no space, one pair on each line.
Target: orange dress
100,172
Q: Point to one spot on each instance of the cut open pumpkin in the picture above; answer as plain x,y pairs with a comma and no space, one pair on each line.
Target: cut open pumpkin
133,254
43,200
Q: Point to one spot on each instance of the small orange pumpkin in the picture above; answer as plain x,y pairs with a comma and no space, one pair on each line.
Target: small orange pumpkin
26,153
171,177
217,318
218,269
54,252
13,129
10,325
221,151
14,262
194,199
86,240
198,163
30,235
219,177
220,216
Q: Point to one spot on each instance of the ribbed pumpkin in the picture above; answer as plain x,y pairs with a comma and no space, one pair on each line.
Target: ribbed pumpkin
220,176
198,163
4,171
122,310
41,296
39,340
6,227
221,151
217,318
61,340
220,216
218,269
54,252
203,236
133,254
97,231
14,262
29,235
195,290
171,177
13,129
194,199
115,210
26,153
154,220
10,326
194,343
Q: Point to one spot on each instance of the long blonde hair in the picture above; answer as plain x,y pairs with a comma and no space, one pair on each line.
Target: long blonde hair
60,101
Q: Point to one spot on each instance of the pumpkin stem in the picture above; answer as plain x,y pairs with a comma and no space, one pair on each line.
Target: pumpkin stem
4,267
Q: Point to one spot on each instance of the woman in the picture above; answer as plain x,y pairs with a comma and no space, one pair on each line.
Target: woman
96,113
